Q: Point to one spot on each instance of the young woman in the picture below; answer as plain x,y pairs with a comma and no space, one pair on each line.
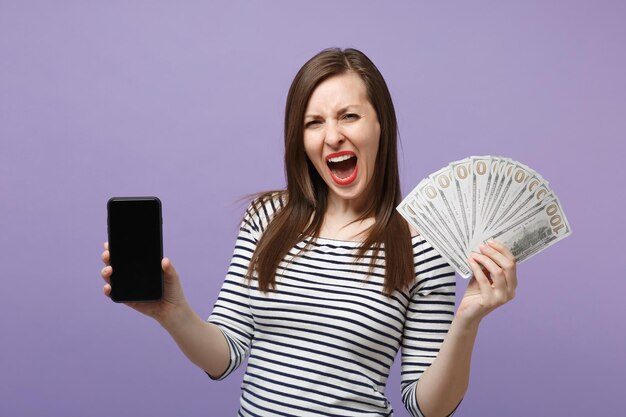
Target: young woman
327,281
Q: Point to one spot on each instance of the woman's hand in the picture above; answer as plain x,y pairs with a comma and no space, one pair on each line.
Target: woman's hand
173,299
493,284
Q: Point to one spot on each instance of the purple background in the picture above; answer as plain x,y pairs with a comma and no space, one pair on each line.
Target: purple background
184,100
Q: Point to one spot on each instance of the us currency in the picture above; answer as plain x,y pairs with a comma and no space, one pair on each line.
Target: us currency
514,178
410,210
424,217
479,198
499,171
501,188
480,180
520,178
449,199
535,192
492,174
427,194
538,229
461,176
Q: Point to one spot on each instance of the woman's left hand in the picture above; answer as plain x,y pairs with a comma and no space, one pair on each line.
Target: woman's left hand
493,284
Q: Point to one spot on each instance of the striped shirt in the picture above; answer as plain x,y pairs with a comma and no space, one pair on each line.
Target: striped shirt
322,344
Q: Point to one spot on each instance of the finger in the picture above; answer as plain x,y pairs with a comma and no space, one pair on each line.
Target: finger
509,265
106,273
502,249
495,272
106,245
107,290
497,257
472,285
106,257
169,272
484,285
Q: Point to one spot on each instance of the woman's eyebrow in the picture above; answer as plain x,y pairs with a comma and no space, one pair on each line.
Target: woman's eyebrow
342,110
345,109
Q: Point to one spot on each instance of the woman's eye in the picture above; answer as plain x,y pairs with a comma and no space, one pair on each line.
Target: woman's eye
351,116
311,123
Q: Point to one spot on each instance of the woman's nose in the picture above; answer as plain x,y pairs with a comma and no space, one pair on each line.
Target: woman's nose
333,135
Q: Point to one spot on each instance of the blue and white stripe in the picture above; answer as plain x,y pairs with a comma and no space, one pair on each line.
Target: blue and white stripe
324,341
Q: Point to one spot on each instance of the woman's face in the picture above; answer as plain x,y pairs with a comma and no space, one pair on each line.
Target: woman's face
341,135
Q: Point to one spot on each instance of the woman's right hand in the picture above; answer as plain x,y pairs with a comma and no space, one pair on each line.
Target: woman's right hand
173,299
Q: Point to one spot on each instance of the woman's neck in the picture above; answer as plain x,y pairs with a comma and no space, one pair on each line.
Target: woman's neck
342,221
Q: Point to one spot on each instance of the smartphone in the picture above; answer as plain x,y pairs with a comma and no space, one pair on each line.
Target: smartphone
135,248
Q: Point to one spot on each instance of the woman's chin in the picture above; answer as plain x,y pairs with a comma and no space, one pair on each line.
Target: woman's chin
351,192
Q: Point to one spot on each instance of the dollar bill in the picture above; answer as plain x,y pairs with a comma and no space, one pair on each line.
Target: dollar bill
425,226
480,198
449,200
537,230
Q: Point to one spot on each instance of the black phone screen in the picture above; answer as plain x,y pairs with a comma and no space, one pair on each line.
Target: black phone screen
135,248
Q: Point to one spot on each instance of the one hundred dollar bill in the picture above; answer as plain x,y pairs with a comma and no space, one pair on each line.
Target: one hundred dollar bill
480,198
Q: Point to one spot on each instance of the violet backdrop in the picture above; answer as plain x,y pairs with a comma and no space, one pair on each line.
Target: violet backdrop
184,100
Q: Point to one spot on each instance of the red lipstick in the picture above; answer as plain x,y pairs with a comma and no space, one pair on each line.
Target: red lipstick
342,167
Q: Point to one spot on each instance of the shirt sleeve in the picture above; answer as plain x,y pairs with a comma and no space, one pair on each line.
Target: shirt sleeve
231,312
428,318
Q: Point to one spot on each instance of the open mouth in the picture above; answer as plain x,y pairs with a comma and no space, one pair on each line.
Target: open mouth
342,167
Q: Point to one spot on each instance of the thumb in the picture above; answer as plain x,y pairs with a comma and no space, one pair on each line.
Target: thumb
472,286
169,271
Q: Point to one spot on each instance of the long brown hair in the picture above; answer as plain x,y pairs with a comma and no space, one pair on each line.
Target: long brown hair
305,198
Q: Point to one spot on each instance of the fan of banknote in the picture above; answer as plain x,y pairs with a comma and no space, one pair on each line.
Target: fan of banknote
481,198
